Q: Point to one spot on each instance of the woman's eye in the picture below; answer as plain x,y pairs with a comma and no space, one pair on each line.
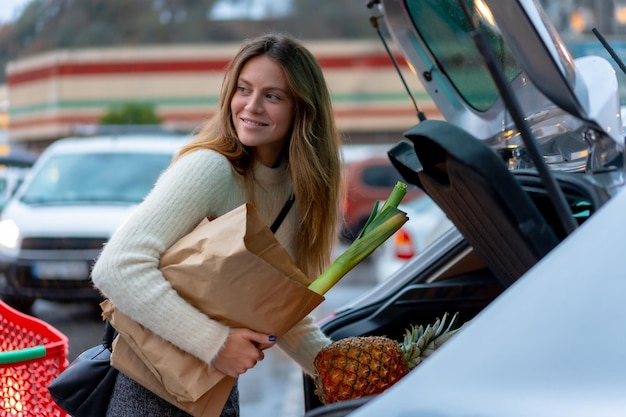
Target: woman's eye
273,96
242,89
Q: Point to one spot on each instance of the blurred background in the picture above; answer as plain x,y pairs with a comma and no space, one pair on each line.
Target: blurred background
66,63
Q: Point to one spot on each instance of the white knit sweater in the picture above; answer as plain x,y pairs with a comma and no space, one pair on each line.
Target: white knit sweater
200,184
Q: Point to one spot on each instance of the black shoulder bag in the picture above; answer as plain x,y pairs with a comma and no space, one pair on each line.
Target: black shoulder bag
85,387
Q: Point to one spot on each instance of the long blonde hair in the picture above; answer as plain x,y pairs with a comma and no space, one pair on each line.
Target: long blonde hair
312,151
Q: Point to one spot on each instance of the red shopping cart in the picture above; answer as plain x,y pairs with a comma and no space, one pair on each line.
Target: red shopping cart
32,354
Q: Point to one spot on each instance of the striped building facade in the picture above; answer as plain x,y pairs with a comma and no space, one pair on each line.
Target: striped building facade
54,94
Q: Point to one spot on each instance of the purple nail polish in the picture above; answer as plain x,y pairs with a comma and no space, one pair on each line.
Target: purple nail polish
272,338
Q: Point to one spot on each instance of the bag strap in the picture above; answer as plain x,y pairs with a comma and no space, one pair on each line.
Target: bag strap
109,335
283,213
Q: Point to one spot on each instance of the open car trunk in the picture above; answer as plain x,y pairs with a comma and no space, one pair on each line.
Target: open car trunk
513,165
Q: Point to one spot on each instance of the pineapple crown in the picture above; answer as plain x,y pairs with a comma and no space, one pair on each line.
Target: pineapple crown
419,341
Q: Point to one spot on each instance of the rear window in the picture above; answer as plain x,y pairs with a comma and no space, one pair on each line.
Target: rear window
381,176
442,25
95,178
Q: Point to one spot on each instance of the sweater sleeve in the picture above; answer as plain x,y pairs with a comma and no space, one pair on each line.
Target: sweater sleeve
127,271
303,342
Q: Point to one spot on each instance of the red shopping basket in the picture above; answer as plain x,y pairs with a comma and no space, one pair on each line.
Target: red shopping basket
32,354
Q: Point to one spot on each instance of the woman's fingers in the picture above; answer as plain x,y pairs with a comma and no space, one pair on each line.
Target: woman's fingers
241,351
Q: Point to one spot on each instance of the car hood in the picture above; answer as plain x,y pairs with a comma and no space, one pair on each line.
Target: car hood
551,345
564,101
72,220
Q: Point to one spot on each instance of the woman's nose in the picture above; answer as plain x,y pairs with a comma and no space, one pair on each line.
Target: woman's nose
255,104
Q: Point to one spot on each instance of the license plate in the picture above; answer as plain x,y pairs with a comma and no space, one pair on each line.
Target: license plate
73,270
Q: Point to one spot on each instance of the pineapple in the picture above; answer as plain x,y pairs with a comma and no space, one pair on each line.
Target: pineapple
359,366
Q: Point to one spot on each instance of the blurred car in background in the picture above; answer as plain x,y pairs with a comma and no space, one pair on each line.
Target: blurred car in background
426,223
368,180
77,193
10,180
15,163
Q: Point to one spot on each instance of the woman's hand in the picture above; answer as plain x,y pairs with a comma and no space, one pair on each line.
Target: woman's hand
241,351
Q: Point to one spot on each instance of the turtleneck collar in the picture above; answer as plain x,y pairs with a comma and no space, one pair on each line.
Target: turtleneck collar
271,175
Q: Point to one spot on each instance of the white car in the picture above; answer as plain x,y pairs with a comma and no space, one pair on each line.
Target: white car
529,166
550,345
426,223
78,192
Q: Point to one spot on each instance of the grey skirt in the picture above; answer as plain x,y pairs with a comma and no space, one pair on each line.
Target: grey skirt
129,399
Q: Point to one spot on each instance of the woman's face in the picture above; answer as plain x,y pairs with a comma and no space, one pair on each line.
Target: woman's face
262,108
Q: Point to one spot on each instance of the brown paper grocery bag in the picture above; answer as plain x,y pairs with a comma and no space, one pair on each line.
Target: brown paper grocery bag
234,270
210,403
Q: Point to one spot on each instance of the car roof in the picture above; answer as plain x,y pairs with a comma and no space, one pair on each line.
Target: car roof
157,143
551,345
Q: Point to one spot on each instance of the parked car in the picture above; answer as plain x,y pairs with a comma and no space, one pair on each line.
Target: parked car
14,165
533,259
74,197
367,180
526,351
10,180
426,223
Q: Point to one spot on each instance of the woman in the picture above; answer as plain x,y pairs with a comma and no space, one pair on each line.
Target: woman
274,134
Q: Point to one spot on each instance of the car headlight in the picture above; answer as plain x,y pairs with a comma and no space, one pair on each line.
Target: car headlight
9,234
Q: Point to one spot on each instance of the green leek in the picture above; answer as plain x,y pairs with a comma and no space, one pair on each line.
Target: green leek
381,225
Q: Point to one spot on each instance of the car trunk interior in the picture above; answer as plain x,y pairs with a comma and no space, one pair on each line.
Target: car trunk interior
458,282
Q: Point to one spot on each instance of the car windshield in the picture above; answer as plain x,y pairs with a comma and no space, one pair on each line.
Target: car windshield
96,178
446,32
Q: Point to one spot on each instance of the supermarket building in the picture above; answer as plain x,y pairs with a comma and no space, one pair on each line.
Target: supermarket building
58,93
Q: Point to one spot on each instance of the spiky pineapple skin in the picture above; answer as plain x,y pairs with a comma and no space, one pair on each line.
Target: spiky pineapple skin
354,367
